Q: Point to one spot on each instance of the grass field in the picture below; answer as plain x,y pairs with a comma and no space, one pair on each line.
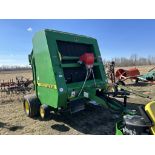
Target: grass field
93,120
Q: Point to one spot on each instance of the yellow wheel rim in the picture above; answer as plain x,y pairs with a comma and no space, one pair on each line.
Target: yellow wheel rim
27,109
42,112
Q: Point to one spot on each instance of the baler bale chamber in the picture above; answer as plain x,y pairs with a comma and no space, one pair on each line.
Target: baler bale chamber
62,79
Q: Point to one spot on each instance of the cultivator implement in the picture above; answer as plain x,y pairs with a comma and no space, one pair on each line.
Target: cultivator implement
21,84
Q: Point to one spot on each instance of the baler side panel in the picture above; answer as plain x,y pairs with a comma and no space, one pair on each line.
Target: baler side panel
44,71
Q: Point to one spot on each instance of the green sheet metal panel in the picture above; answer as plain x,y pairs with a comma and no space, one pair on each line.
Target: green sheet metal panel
49,69
44,70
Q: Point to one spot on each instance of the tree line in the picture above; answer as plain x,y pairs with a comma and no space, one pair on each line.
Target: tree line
14,68
133,60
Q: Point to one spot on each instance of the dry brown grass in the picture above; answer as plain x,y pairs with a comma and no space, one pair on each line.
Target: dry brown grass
7,75
91,121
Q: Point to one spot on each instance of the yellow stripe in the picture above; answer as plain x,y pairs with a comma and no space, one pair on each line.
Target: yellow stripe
47,85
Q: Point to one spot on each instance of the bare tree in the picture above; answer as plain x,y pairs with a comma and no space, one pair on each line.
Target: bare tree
14,68
134,60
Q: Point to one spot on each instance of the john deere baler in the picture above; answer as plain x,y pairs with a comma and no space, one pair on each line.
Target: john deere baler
68,73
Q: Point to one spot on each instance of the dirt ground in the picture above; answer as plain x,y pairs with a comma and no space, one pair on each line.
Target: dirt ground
93,120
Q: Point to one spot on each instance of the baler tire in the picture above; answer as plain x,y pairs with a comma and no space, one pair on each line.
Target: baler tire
31,105
44,111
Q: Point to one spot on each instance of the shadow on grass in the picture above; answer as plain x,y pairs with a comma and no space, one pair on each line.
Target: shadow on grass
94,120
60,127
9,127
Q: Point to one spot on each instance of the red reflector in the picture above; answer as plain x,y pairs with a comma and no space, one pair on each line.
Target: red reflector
87,58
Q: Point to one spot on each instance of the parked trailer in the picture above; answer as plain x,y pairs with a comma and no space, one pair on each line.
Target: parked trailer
124,74
121,75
